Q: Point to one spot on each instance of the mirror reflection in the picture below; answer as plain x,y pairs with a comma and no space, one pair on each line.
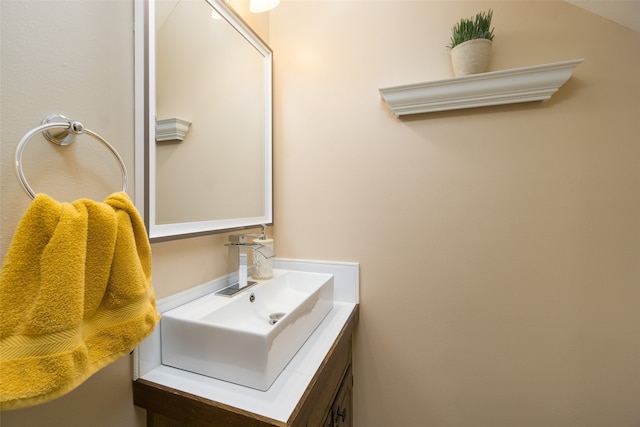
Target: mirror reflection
210,137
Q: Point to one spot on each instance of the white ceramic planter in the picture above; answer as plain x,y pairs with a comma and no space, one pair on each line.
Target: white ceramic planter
471,57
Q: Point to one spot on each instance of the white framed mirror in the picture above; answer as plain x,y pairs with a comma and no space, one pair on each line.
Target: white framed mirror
204,126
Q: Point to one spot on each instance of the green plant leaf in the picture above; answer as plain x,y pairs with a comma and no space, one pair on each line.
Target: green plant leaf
472,28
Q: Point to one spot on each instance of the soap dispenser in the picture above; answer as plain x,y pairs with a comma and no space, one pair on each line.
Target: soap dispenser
262,266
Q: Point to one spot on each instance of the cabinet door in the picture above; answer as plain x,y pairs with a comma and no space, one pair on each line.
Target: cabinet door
342,409
328,421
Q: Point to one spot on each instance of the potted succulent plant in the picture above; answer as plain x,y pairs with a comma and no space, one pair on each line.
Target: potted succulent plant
470,46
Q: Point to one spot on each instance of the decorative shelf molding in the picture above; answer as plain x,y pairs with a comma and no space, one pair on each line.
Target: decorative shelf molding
535,83
171,129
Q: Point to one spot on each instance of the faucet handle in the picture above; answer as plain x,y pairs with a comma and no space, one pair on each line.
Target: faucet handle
242,239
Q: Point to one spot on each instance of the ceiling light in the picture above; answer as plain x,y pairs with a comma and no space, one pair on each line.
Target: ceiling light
258,6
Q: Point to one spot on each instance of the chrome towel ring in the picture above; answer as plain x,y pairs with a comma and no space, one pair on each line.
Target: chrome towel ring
70,128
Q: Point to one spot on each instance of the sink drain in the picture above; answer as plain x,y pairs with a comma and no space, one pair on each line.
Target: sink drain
273,318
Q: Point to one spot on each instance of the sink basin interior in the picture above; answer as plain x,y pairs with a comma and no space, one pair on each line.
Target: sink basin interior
247,339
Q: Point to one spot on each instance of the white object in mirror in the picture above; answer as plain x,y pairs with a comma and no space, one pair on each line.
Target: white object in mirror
171,129
215,74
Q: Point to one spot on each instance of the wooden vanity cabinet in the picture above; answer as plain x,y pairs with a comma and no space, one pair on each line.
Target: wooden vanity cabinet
326,402
341,411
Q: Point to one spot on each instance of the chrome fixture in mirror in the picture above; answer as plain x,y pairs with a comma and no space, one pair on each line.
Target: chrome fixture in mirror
207,133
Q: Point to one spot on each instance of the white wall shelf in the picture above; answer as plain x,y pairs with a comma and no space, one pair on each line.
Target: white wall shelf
535,83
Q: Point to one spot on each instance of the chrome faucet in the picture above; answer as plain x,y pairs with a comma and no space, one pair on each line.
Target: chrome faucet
239,246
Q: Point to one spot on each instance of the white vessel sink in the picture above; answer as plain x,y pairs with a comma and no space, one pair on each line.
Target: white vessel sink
247,339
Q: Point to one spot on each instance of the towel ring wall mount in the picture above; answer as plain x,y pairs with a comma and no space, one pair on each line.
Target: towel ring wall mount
66,134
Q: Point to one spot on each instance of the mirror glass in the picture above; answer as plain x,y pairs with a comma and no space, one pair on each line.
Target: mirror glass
208,121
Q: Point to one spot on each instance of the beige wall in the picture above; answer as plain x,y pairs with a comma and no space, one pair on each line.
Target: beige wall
499,247
498,272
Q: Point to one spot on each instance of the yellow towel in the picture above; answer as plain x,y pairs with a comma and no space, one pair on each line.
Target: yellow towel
75,295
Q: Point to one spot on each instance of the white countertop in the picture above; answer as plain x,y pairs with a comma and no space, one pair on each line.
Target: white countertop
282,397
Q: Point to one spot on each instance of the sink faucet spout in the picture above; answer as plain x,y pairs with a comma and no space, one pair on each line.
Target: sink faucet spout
239,247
